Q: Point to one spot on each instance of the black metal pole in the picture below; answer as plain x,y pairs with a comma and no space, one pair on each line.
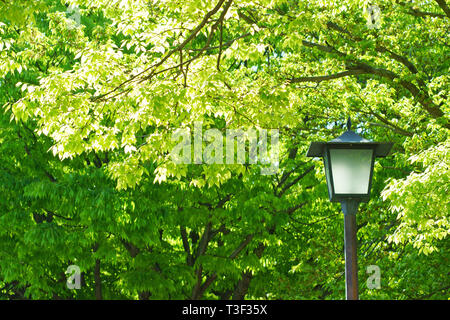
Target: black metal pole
350,207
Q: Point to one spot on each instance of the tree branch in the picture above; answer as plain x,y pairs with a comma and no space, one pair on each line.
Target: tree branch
286,187
98,281
220,45
391,126
319,79
189,258
292,155
97,277
171,52
131,248
241,247
224,45
444,7
241,287
323,48
417,13
403,60
420,95
295,208
363,68
203,241
200,289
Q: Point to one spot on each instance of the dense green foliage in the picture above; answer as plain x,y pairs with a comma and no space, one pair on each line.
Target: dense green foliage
92,91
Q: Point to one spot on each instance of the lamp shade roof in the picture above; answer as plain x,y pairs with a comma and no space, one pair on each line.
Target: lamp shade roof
351,139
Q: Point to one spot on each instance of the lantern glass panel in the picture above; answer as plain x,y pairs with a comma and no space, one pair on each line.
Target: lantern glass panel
351,170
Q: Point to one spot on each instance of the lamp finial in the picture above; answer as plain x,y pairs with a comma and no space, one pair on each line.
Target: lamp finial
349,124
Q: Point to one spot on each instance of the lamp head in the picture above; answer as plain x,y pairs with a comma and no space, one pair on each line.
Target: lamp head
349,161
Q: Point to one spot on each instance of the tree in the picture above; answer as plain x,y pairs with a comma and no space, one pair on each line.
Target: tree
93,92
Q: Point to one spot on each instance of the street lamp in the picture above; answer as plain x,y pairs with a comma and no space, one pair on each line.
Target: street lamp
348,162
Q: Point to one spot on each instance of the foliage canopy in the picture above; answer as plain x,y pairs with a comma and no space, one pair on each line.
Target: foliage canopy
92,91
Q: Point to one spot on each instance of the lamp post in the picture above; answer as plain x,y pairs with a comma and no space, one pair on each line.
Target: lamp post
348,162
